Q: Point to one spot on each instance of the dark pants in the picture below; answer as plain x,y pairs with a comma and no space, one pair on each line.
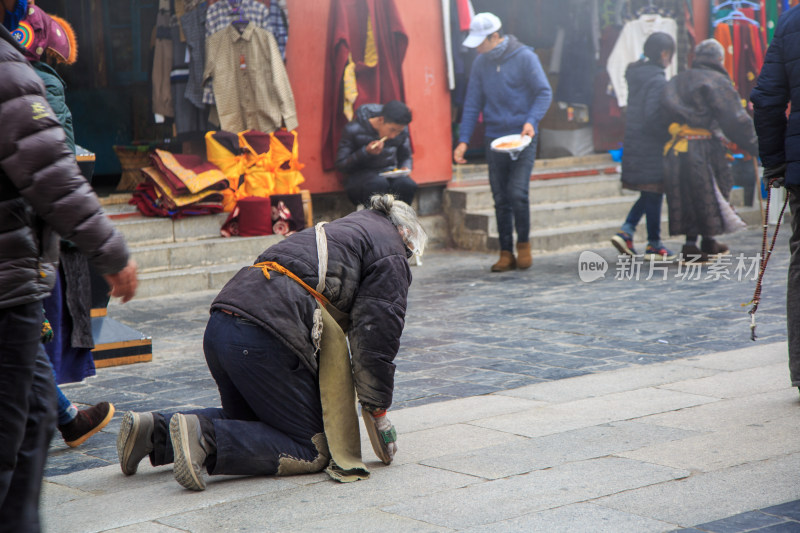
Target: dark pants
361,187
270,402
510,181
793,293
649,206
27,416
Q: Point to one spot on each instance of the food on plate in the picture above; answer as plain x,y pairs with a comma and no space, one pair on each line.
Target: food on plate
508,145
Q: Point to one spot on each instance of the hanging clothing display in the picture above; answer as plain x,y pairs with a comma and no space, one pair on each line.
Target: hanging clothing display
162,65
577,68
608,124
740,30
193,27
378,81
251,86
629,47
188,118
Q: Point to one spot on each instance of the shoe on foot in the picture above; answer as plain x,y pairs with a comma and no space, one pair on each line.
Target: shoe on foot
690,253
86,423
623,242
505,263
190,451
524,258
651,253
714,248
135,440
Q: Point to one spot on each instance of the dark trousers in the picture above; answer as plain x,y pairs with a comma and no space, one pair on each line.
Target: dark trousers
270,402
510,181
27,416
648,205
361,187
793,292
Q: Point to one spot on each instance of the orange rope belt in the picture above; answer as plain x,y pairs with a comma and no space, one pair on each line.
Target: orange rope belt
266,266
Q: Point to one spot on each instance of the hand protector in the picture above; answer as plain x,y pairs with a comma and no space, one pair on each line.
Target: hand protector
381,433
771,173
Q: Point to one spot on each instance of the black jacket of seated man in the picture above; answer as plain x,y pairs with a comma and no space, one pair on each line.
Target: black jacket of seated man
361,156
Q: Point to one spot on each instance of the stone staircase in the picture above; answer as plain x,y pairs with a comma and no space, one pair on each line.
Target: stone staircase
577,203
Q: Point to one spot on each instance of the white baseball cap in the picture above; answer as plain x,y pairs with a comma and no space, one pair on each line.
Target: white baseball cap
482,26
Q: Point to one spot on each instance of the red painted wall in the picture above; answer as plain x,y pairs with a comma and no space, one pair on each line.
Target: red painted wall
425,77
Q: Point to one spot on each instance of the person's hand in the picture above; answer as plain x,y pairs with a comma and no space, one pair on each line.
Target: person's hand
775,173
375,147
458,153
528,130
381,433
123,284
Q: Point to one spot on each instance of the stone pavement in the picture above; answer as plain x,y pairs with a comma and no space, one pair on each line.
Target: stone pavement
525,401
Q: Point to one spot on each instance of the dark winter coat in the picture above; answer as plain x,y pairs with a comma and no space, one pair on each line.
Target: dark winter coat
703,97
352,158
42,190
645,128
368,279
778,84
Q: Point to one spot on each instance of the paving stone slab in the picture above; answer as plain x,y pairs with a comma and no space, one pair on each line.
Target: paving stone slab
737,383
145,527
370,520
766,353
509,498
576,517
523,456
592,411
715,495
625,379
285,510
734,445
725,413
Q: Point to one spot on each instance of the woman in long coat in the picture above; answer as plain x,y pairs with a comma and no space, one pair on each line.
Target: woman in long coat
701,106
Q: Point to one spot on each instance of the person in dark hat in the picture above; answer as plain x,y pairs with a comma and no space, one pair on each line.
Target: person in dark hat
43,195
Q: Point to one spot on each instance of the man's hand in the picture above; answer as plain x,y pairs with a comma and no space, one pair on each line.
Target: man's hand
123,284
775,173
528,130
381,433
458,153
375,147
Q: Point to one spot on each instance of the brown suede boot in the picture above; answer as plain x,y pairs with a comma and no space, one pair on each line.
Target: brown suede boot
506,262
524,259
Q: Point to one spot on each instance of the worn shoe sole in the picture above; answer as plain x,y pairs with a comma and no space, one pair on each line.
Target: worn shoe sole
375,438
126,440
620,244
183,470
83,438
657,257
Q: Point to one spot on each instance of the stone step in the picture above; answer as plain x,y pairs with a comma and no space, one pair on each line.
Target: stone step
140,230
557,214
198,253
478,197
187,280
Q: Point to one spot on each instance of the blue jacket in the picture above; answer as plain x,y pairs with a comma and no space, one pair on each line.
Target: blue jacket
510,92
778,84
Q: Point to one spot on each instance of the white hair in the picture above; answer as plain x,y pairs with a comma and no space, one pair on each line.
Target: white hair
710,49
404,218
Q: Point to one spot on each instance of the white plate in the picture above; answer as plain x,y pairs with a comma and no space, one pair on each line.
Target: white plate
523,140
394,173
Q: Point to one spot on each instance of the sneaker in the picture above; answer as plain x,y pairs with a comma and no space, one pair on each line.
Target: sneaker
691,253
661,253
135,440
86,423
714,248
190,452
623,242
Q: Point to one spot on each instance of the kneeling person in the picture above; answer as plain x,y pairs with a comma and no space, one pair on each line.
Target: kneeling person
374,142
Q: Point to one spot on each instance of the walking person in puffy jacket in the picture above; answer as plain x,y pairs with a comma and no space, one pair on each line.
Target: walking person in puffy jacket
508,85
260,350
374,142
42,195
777,88
645,135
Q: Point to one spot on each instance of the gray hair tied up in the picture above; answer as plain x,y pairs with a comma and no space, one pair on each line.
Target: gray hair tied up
404,218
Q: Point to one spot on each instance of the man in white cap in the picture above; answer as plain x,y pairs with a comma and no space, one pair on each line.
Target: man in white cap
508,85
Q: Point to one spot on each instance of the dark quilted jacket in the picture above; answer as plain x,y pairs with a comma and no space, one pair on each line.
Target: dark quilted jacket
352,158
645,127
778,84
41,190
368,279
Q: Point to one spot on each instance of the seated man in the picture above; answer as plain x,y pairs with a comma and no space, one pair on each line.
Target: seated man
376,141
